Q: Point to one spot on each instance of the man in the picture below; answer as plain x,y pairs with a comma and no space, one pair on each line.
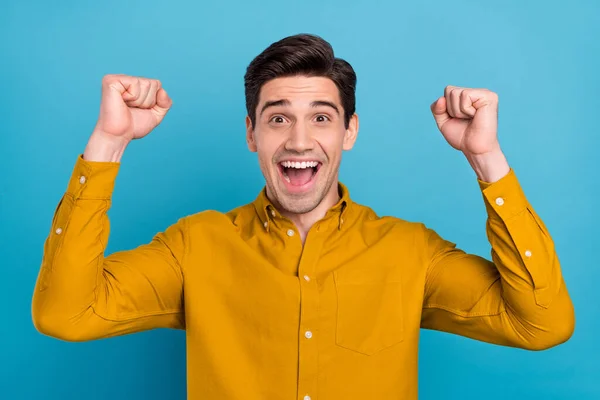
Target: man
302,293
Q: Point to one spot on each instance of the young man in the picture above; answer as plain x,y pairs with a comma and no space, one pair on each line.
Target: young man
303,293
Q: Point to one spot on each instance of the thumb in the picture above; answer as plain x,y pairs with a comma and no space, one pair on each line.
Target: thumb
438,108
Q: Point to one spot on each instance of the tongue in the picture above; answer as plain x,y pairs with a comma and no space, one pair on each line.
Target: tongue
299,177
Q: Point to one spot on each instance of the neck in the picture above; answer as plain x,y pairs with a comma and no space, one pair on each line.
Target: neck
305,221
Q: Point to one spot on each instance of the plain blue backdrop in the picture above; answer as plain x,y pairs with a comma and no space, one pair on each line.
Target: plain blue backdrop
542,58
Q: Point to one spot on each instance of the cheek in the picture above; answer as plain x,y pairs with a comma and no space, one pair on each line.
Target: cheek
266,149
332,144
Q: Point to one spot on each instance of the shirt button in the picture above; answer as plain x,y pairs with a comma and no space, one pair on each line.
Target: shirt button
308,334
528,253
265,224
82,179
290,232
307,397
273,213
500,201
58,231
307,278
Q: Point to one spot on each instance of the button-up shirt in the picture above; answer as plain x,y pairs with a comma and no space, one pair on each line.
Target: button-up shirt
267,317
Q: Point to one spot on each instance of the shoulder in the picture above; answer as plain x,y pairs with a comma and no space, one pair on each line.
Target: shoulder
210,220
387,225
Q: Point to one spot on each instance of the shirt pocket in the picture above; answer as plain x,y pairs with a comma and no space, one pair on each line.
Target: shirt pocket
369,308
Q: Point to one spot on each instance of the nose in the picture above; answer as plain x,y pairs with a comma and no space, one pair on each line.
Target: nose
299,139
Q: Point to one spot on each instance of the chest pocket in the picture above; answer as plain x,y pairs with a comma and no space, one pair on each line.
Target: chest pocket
369,308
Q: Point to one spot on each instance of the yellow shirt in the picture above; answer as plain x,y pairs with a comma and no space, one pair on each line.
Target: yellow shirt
268,318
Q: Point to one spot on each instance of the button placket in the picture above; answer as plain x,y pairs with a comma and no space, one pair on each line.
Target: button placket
309,316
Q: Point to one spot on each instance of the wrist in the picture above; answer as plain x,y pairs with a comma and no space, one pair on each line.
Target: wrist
104,147
489,167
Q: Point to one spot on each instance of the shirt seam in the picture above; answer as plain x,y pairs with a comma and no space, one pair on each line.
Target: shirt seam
80,197
100,260
137,316
463,313
186,247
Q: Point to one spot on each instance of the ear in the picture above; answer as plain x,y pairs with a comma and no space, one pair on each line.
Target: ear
351,133
250,135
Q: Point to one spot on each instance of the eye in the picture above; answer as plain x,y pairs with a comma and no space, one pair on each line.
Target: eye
278,119
322,118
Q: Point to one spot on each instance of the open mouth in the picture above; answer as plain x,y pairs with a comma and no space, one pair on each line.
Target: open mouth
299,173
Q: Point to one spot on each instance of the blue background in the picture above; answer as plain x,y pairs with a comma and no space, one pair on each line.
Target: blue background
540,57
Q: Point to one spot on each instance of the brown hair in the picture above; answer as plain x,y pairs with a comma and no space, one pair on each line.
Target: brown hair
303,54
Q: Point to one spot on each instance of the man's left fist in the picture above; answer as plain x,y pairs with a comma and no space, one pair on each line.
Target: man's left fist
468,119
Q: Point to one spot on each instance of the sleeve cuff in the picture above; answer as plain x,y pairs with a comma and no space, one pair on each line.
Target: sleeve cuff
93,179
504,198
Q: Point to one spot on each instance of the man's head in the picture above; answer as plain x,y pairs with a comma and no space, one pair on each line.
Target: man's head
301,116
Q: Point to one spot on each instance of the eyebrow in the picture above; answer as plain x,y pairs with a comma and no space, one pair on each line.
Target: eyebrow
287,103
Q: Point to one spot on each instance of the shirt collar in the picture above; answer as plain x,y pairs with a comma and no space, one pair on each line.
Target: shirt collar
266,210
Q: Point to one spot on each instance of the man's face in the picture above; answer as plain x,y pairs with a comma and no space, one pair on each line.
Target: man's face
299,136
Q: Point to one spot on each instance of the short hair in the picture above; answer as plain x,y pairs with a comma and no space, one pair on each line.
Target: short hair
303,55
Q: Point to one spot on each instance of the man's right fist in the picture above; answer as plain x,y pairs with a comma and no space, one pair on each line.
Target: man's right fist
131,106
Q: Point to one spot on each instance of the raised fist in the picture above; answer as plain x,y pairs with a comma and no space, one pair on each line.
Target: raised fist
468,119
131,106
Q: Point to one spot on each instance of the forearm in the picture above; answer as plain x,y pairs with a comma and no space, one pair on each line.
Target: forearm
72,263
83,294
531,285
72,277
519,298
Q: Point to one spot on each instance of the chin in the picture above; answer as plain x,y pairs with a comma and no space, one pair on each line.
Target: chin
299,206
297,202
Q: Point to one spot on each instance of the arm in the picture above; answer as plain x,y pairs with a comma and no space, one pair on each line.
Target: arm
519,298
81,294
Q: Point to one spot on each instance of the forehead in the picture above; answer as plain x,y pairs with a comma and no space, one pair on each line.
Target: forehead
300,89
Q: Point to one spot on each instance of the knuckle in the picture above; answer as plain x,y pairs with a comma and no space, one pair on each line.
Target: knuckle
107,79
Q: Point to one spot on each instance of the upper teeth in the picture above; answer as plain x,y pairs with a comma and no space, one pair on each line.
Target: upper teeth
303,164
